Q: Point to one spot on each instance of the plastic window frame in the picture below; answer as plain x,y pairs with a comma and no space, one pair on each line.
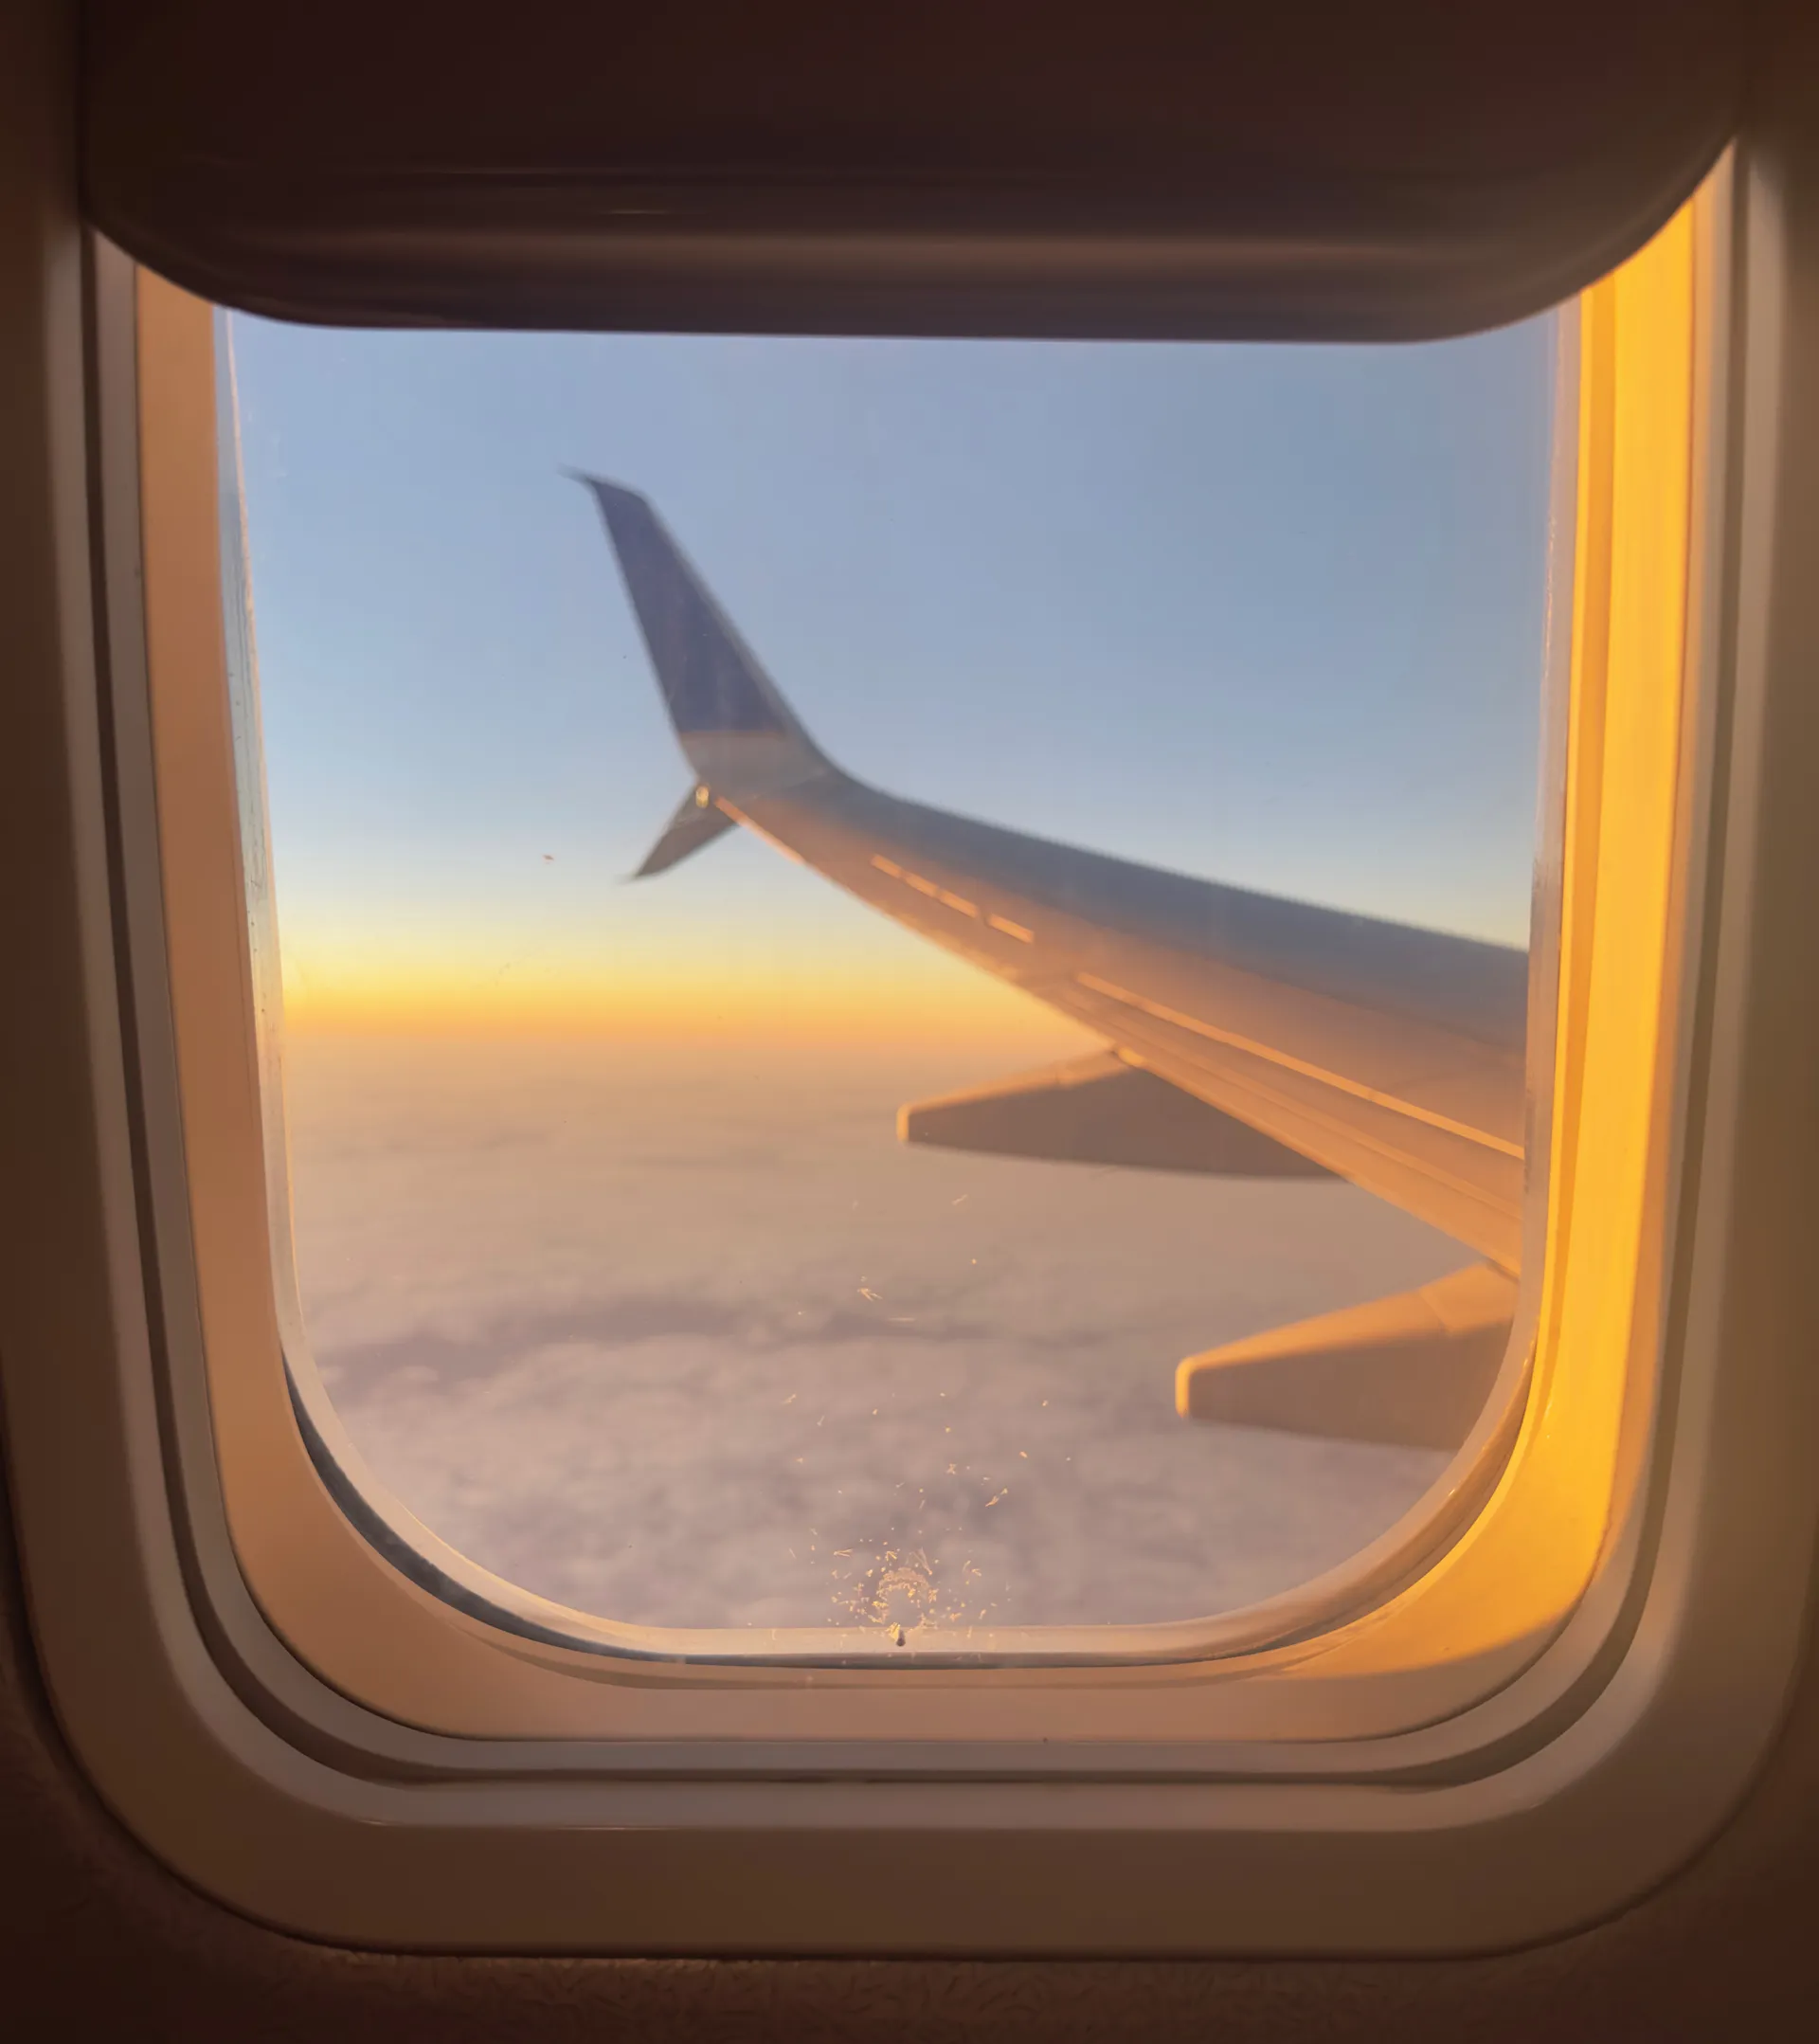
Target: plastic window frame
1352,1654
442,1785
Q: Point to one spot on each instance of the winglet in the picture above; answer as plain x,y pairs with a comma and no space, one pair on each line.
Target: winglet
712,681
696,822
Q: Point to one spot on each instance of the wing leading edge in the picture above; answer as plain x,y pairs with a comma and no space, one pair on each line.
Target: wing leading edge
1388,1055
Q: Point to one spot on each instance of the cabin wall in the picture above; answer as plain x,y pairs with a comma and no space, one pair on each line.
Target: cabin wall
94,1934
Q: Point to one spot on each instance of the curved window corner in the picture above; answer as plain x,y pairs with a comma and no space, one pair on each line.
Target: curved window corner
906,1184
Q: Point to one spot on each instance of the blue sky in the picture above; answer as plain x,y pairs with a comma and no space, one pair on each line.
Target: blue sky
1272,615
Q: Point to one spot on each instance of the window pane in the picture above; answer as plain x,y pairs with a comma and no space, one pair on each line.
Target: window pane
609,1251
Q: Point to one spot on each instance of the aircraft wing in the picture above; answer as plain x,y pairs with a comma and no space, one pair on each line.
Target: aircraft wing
1391,1056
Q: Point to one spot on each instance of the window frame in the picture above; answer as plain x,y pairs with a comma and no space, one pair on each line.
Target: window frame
1269,1669
271,1785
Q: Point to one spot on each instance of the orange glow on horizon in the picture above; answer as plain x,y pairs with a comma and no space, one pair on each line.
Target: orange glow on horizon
730,1002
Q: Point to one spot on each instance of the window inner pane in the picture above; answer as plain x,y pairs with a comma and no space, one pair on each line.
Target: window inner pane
611,1253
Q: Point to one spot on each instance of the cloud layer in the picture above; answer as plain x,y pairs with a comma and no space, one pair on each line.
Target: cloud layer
683,1336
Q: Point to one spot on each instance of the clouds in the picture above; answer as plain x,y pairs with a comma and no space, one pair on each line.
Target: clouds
684,1336
683,1480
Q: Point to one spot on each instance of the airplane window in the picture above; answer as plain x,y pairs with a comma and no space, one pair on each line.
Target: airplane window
903,963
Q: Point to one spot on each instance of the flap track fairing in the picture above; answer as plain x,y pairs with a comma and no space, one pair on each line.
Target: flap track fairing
1415,1369
1101,1108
